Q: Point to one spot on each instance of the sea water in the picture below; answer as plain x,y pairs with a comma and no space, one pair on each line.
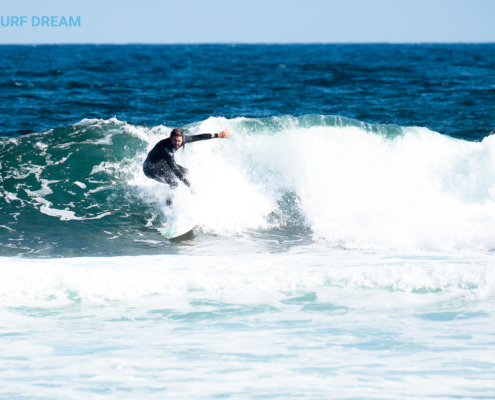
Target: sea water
345,237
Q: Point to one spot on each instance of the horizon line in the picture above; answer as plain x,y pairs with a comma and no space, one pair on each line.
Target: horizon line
240,43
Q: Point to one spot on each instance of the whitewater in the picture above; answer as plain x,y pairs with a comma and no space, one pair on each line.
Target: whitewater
321,180
332,258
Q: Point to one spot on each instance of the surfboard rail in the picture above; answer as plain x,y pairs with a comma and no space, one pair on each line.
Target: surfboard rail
176,231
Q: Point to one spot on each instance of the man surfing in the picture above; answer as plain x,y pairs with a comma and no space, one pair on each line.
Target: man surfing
160,163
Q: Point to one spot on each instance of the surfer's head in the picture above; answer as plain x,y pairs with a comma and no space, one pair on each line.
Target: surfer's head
177,138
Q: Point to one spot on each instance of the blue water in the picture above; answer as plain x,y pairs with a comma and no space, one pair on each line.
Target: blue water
446,88
345,237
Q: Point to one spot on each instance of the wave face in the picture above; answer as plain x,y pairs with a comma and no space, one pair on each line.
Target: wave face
279,182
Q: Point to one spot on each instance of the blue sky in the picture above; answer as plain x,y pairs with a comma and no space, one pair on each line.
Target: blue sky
252,21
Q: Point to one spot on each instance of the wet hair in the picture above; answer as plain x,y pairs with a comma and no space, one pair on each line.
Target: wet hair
179,132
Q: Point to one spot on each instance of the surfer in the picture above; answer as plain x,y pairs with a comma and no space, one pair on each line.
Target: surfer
160,163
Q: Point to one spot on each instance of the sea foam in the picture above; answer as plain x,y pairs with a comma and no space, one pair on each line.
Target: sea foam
246,278
353,187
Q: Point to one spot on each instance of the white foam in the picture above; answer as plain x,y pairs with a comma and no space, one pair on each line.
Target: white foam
98,121
80,184
103,167
45,189
60,281
67,215
358,190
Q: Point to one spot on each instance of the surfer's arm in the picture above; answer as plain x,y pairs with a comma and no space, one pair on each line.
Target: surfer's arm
205,136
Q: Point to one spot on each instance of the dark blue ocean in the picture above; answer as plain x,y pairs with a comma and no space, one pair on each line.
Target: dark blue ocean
446,88
345,235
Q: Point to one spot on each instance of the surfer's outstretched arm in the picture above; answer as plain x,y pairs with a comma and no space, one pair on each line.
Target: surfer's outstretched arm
205,136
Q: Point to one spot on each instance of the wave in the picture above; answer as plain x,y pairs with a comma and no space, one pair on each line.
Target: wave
338,181
282,277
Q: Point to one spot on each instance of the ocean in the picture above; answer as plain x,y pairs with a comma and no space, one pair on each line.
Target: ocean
346,229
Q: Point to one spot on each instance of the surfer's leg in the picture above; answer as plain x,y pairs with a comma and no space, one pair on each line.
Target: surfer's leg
163,177
167,179
173,183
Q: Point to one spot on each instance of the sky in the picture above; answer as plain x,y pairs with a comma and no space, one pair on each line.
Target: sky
248,21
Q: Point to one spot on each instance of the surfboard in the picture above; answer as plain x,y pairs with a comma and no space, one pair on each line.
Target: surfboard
176,230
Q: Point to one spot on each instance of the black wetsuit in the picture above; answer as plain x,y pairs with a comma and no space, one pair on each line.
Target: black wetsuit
160,164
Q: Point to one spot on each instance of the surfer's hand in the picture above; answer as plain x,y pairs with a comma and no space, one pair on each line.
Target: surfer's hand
193,191
224,134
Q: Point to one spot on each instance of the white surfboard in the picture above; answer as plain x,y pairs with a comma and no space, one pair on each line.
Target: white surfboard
178,228
179,218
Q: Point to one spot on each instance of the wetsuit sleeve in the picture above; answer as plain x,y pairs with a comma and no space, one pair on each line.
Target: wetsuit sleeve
197,138
176,170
